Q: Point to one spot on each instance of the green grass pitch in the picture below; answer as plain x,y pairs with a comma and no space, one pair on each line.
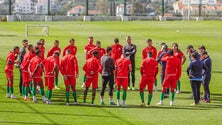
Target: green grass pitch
184,33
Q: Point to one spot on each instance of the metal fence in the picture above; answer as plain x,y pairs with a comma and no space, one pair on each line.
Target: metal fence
180,8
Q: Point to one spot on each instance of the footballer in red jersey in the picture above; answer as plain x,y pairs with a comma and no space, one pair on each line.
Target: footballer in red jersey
92,67
50,65
179,54
148,71
36,69
10,61
149,48
171,75
116,49
123,67
52,50
25,73
69,70
98,48
72,48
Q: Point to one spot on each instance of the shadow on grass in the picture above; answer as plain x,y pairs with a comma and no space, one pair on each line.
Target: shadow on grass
8,35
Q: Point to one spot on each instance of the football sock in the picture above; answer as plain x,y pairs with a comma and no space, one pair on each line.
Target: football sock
161,95
155,83
30,86
84,97
142,96
117,94
74,96
49,94
33,91
42,91
172,96
149,98
12,90
84,79
7,89
56,81
67,97
178,85
124,95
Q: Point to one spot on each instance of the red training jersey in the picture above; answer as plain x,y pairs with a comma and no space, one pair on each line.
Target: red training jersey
92,65
172,65
69,65
49,66
11,57
116,51
122,67
25,63
43,51
149,67
34,64
179,55
87,48
52,50
73,50
149,49
101,52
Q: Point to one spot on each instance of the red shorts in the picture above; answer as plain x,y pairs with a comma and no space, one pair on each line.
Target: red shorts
71,80
26,77
147,81
122,82
49,81
9,74
93,80
38,80
170,82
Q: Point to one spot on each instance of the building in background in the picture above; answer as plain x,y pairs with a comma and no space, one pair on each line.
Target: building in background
120,9
42,7
23,7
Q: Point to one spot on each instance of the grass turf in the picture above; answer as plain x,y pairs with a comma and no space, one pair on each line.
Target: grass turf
184,33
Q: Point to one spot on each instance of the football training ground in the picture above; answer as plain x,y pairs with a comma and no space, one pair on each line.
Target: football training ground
196,33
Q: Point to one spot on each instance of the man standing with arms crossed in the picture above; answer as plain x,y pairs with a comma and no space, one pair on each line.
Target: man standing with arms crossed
72,48
148,71
51,51
69,69
130,51
108,68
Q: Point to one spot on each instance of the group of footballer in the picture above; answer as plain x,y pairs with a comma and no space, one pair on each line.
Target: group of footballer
116,64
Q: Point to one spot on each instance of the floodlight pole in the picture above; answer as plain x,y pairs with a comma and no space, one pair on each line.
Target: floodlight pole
124,7
87,7
48,7
162,8
10,7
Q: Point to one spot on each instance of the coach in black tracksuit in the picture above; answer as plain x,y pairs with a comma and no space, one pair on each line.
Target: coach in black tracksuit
194,72
130,49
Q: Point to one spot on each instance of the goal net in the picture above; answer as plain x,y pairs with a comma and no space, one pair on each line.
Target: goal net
37,30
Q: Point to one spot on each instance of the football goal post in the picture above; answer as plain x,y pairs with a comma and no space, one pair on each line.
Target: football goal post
37,30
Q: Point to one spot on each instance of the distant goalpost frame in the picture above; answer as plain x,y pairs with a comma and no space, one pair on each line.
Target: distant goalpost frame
37,30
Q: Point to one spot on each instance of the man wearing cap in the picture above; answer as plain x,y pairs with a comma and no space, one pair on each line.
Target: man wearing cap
130,51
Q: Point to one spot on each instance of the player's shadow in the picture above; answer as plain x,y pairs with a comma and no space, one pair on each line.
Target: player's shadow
1,35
